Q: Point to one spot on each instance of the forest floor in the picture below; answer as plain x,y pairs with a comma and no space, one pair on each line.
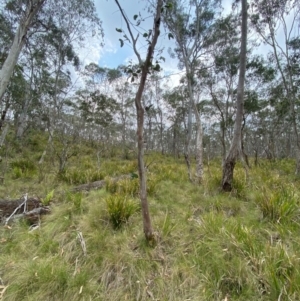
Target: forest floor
211,245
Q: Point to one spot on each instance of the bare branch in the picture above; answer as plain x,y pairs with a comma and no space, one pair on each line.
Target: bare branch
134,40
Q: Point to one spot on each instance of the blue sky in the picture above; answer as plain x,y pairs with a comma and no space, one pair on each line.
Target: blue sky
112,55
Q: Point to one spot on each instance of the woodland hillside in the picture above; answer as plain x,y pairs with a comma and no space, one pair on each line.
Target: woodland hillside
145,181
210,245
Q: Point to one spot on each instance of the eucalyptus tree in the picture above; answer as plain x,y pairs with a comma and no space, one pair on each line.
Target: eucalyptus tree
66,26
236,144
218,80
177,115
125,112
154,109
190,23
96,106
260,76
25,12
144,67
159,108
276,23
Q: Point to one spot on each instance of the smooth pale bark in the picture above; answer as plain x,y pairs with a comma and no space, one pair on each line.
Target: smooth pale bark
235,150
188,146
190,52
3,114
18,42
148,230
199,148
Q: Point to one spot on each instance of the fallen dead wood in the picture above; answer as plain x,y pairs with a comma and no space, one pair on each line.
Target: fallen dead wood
33,216
98,184
29,208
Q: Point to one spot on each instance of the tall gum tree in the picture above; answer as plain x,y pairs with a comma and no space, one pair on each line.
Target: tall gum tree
26,20
145,68
191,29
220,80
277,23
57,45
235,150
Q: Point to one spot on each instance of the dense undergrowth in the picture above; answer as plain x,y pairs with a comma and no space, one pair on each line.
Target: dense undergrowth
242,245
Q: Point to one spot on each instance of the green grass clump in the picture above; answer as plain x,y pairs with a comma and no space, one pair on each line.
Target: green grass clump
120,208
130,185
76,176
280,205
22,168
76,200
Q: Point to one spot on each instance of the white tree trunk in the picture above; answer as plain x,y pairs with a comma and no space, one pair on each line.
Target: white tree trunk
18,42
199,148
236,144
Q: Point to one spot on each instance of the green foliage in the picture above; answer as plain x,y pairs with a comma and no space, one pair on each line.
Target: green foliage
210,243
77,176
130,186
280,205
120,208
76,200
17,173
40,275
22,168
239,184
48,198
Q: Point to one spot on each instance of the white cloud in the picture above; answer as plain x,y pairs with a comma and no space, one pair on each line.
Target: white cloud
91,51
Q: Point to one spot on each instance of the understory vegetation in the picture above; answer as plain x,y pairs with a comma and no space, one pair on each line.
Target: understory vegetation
211,245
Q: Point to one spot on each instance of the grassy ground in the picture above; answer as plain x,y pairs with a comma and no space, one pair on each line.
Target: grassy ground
242,245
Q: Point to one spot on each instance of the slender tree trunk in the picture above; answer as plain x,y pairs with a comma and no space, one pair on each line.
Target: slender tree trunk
3,114
18,42
174,142
188,141
236,145
199,148
148,230
22,117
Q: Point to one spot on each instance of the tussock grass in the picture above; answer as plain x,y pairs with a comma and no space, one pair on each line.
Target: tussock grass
242,245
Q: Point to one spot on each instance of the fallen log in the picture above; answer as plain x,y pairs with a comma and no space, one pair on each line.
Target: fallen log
29,208
89,186
98,184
